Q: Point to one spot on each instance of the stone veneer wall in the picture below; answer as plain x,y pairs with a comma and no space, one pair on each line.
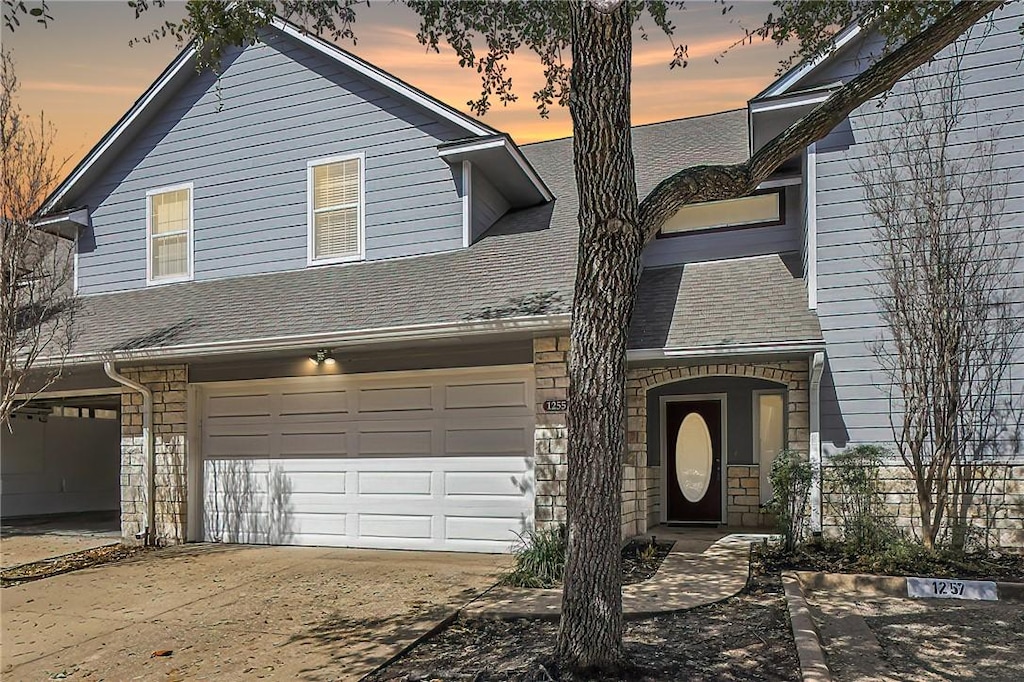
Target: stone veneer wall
743,503
743,506
170,407
550,357
998,512
551,374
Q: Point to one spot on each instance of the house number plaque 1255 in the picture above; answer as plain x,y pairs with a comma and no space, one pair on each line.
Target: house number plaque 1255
556,405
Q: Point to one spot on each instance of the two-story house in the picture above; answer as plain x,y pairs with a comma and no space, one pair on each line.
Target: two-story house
329,309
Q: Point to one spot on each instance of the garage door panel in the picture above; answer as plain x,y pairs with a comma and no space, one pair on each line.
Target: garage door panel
395,482
322,524
238,446
304,442
477,528
257,405
482,441
443,463
397,399
485,483
479,396
396,526
395,442
312,481
315,405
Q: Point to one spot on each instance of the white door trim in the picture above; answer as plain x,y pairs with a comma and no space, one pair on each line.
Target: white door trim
723,399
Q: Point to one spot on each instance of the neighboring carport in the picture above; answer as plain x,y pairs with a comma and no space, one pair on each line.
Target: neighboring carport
60,476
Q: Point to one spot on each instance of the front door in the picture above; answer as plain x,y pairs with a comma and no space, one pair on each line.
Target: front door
693,449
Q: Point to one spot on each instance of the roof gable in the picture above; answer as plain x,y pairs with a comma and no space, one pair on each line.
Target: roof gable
181,70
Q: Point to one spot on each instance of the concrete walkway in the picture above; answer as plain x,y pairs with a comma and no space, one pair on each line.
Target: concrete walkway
685,580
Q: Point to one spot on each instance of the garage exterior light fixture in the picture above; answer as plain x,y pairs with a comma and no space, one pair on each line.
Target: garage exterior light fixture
322,357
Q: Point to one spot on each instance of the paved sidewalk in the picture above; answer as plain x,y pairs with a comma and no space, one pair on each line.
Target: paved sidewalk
684,581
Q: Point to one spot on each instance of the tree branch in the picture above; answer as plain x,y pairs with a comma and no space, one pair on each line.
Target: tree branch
717,182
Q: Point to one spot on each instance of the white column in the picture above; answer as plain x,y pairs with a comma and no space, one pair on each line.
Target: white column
814,453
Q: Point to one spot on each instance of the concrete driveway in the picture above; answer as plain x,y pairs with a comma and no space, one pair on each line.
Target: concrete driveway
234,612
25,540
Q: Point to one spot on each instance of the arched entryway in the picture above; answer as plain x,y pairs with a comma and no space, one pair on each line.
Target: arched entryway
749,411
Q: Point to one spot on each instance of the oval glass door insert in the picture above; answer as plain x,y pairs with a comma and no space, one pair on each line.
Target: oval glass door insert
693,457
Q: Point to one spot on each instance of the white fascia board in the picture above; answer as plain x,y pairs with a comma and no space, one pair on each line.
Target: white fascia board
383,78
511,149
773,183
797,73
473,146
647,354
789,103
811,224
183,59
79,216
423,332
72,393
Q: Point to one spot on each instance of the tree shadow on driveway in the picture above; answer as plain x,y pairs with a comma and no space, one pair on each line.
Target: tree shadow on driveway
367,642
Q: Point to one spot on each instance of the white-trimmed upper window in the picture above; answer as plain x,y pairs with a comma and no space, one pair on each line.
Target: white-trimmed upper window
169,234
335,189
757,209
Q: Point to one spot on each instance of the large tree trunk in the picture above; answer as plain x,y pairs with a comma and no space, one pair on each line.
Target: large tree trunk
610,244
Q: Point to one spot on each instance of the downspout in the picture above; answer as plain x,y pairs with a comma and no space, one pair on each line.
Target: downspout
817,366
148,535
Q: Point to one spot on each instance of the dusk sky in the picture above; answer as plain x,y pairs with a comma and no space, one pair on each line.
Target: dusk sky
81,72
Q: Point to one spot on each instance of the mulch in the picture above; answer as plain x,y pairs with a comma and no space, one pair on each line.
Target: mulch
832,557
66,563
640,563
746,637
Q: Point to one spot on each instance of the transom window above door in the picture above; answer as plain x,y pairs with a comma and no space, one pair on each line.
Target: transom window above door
336,230
169,234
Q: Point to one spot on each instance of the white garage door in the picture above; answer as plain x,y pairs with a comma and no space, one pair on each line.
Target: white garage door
437,460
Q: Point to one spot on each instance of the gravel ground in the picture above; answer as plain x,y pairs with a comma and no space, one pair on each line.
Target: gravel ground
889,638
746,637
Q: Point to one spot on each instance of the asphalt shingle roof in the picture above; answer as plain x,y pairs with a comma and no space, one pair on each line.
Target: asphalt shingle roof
722,303
524,265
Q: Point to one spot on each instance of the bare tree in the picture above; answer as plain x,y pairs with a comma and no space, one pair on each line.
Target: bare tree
947,277
37,302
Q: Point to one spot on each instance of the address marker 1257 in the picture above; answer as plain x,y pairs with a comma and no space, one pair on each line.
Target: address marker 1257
944,588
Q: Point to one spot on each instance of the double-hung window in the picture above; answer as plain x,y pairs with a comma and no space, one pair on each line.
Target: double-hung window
169,234
336,230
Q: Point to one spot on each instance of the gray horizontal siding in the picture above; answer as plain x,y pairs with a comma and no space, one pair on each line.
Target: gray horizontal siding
855,394
245,150
711,245
488,204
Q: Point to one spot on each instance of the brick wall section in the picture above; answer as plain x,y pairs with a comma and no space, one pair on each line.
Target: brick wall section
792,373
998,513
169,386
551,374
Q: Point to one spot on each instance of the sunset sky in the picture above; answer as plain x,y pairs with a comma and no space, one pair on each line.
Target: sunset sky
81,72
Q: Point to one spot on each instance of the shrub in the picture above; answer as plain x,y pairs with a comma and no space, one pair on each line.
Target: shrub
539,558
791,484
856,499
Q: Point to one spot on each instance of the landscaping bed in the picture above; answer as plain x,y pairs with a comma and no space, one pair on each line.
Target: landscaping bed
642,559
920,639
746,637
75,561
902,558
